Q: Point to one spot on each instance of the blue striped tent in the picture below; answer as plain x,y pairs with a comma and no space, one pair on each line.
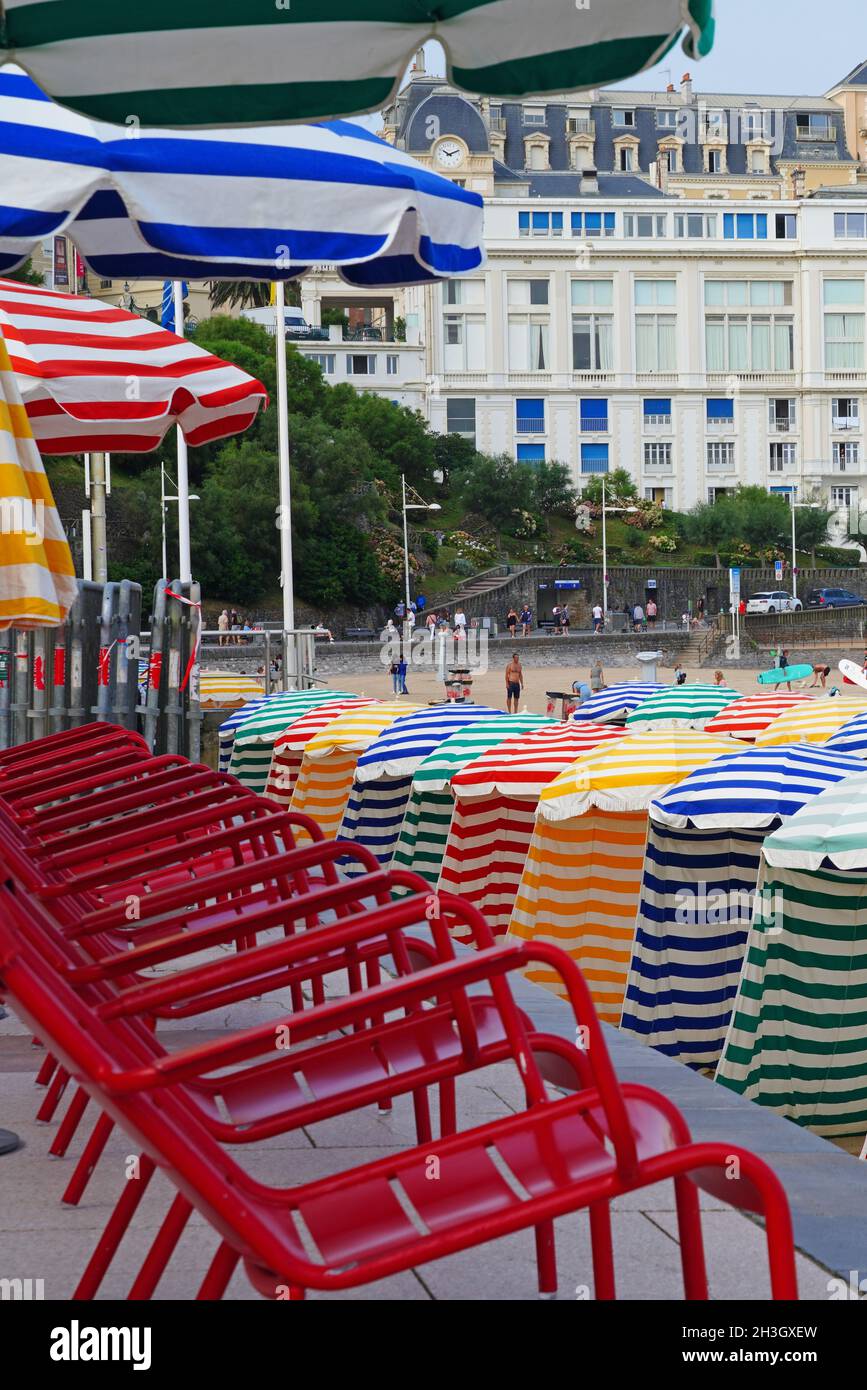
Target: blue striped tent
230,726
851,737
383,778
611,706
698,890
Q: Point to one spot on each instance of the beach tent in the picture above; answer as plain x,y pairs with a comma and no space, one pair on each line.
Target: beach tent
254,739
748,717
699,888
581,883
812,723
851,737
383,778
288,752
425,830
331,756
226,690
230,726
613,704
680,707
495,801
797,1042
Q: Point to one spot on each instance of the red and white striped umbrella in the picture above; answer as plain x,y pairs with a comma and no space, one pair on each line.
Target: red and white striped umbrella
95,378
750,716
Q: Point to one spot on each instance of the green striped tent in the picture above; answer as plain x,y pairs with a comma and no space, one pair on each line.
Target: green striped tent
182,63
680,707
425,830
797,1042
255,738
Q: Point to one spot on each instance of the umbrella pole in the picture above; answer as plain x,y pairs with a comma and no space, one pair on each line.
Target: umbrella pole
186,572
97,519
285,514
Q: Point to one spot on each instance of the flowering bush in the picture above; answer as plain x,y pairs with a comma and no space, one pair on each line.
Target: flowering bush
667,544
525,525
389,554
469,547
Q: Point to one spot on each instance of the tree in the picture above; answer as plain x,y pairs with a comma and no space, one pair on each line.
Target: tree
26,275
713,524
453,455
498,489
247,294
811,527
763,518
554,493
619,488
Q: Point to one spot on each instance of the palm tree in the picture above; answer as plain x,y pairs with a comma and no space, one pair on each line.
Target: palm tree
247,294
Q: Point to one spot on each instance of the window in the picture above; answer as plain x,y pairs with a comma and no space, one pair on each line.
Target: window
594,415
781,414
464,292
655,292
391,362
844,330
624,116
360,364
758,161
813,126
782,456
742,340
534,115
461,416
844,413
667,119
594,458
850,224
592,331
669,160
714,161
846,455
530,416
324,360
844,496
657,412
662,496
720,412
464,330
785,226
530,453
528,332
495,116
592,224
721,455
540,224
755,125
715,125
695,224
715,493
657,457
627,159
579,121
745,226
645,224
655,334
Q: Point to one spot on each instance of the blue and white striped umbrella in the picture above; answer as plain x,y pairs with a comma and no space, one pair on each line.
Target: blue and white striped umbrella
614,704
265,203
230,726
698,892
383,779
851,737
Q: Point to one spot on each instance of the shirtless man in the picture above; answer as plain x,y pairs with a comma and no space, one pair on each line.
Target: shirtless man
514,683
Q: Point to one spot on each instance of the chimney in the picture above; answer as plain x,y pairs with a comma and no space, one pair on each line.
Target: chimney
798,182
589,181
686,87
419,64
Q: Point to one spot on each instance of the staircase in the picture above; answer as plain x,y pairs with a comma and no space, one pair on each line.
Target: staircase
478,585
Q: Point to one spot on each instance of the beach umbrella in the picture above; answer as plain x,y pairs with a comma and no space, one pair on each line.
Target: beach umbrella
189,64
681,707
227,690
851,737
616,702
698,890
330,759
229,727
383,778
37,576
812,723
748,717
425,829
495,801
797,1041
289,747
96,378
582,879
254,739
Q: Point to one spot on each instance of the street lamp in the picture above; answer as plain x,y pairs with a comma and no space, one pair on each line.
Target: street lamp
793,504
417,506
164,498
606,509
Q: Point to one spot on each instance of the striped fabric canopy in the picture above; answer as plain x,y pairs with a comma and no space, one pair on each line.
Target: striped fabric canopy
229,727
581,883
226,690
425,830
813,723
37,576
262,204
699,890
190,64
98,378
851,737
615,703
289,748
797,1041
681,707
748,717
254,739
496,796
330,759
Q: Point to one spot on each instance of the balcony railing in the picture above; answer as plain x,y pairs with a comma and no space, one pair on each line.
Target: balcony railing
726,424
658,466
530,424
783,426
594,466
846,422
589,423
807,132
580,125
664,420
726,465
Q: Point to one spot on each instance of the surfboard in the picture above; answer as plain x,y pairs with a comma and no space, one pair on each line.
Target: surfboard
852,673
779,675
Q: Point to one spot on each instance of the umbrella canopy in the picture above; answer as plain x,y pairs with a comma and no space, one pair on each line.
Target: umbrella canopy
289,748
428,816
37,576
254,740
262,204
581,882
229,727
75,358
681,707
698,890
496,796
226,690
615,703
748,717
813,723
797,1041
190,65
330,759
851,737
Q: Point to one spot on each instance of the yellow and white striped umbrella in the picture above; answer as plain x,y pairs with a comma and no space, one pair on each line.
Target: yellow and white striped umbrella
289,749
812,723
37,576
330,758
581,883
226,690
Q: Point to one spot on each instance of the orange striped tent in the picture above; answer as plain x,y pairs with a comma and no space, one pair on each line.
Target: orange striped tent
581,884
289,749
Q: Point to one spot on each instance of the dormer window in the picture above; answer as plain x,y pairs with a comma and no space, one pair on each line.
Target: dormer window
667,119
534,115
623,116
627,159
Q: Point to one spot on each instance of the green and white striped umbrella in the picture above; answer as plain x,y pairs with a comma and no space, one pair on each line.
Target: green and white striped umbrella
425,830
798,1036
680,707
182,63
255,738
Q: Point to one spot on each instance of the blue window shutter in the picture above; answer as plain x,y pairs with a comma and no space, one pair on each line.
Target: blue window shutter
660,407
609,221
541,220
530,453
720,409
594,410
523,221
762,226
557,221
594,452
593,221
728,226
530,409
746,225
577,219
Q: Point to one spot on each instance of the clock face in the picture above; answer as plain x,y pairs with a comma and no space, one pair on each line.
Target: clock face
449,154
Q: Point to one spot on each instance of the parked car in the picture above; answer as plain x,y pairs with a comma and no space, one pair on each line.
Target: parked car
773,601
833,598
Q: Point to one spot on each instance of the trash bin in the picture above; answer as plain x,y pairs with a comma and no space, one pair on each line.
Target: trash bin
647,665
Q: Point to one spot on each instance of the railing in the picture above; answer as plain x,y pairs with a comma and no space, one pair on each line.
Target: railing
594,466
658,466
848,422
783,426
589,423
664,420
726,465
580,125
806,132
530,425
716,424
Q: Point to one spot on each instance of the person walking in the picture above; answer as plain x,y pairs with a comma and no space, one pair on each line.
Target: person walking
700,609
401,674
223,626
394,672
652,611
235,623
598,617
400,610
565,619
558,626
460,622
679,675
514,683
430,622
637,617
597,676
783,663
719,678
511,621
525,618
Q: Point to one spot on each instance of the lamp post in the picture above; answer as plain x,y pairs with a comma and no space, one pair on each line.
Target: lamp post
164,498
418,506
793,504
605,510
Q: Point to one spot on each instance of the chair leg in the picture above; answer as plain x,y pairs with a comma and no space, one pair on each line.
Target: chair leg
448,1108
691,1240
421,1110
88,1161
546,1259
134,1190
70,1123
162,1249
46,1071
221,1269
603,1251
53,1097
